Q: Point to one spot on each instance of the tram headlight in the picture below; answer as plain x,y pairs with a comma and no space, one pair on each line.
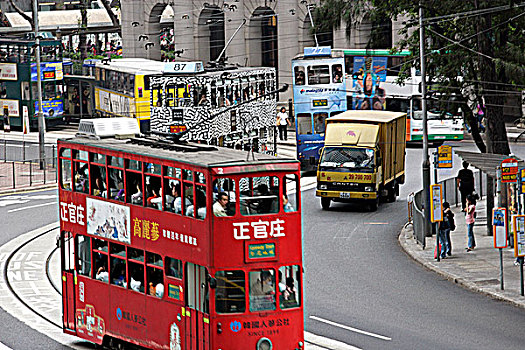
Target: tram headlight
264,344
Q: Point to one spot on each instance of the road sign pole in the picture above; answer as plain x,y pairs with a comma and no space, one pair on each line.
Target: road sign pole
521,276
501,268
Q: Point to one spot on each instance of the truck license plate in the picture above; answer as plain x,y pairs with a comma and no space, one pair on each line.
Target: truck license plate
344,195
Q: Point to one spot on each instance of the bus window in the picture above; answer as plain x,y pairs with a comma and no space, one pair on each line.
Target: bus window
81,177
65,174
116,184
226,186
299,75
259,195
262,290
290,193
318,75
98,181
337,73
230,292
320,122
173,268
153,191
289,286
304,123
84,255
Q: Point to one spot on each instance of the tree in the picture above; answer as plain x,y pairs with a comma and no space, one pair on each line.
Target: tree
475,51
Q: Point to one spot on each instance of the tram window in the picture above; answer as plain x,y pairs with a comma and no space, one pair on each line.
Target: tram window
304,123
230,292
199,96
81,155
289,286
337,73
154,259
259,195
136,254
320,122
65,152
227,186
100,267
68,251
118,272
65,177
187,175
116,184
318,75
118,249
81,177
84,255
152,168
173,172
173,268
154,278
116,162
290,193
262,290
134,165
200,203
100,245
299,75
134,188
153,192
136,277
98,158
188,199
200,178
98,181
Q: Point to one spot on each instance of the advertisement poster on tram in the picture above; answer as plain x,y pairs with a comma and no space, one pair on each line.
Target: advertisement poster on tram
108,220
48,71
368,73
51,109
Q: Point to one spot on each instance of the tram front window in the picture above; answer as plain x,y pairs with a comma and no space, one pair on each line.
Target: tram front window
230,292
262,290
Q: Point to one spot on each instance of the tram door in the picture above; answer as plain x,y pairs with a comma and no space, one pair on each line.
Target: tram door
197,320
67,248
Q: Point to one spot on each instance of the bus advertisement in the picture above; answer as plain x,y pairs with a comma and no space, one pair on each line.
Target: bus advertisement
319,92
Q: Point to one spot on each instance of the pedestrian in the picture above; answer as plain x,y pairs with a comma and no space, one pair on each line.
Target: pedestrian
465,182
282,124
470,218
449,216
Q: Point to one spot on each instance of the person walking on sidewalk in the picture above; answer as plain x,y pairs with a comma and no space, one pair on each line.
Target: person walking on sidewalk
282,124
470,218
449,216
443,231
465,181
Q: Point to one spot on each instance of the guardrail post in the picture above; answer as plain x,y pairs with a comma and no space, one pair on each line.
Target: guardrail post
54,156
5,151
30,173
45,166
14,183
24,151
480,184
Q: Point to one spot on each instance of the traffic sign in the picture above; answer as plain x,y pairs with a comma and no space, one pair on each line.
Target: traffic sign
509,170
436,210
521,181
519,235
444,157
499,227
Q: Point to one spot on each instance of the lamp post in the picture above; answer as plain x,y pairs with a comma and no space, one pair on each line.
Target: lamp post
41,125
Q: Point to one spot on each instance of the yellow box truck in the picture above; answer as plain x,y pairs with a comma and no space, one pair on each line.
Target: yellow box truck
363,158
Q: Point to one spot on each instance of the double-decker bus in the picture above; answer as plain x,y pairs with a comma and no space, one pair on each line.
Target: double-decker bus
18,81
224,106
179,245
319,92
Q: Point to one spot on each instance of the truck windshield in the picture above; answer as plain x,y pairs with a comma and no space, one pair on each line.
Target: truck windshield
358,159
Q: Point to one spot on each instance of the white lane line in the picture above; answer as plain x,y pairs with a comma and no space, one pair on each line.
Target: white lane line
382,337
3,347
319,342
31,207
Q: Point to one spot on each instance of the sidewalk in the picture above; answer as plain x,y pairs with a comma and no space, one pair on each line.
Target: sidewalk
478,270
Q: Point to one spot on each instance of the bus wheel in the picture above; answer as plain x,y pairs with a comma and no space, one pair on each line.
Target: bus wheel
325,203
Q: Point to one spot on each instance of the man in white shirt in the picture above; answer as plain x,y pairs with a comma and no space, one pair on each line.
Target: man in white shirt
282,124
219,207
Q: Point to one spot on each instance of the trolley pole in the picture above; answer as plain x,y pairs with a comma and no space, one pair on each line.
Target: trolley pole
41,125
426,160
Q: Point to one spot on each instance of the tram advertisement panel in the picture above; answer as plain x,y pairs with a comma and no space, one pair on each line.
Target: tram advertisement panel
368,74
51,108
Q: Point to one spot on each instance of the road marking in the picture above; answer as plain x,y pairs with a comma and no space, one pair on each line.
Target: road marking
375,223
3,347
31,207
319,342
382,337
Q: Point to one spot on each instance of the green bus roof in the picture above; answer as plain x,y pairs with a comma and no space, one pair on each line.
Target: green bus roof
364,52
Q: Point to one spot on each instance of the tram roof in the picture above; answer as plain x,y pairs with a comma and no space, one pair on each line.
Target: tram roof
215,157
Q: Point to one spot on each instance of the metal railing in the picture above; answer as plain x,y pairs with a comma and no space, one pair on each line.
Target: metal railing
23,151
450,194
24,174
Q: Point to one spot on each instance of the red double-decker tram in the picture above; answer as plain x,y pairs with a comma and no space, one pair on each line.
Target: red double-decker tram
180,246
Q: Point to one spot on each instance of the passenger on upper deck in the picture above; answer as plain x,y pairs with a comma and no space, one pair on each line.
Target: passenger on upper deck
219,207
136,198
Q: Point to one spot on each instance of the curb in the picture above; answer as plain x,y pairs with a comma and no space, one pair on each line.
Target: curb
9,191
405,235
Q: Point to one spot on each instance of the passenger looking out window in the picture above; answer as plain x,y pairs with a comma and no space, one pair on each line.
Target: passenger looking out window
219,208
262,291
289,286
226,186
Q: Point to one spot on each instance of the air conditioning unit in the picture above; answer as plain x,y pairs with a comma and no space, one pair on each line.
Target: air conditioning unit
108,127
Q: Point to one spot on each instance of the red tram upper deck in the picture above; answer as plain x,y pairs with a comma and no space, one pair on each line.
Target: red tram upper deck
180,246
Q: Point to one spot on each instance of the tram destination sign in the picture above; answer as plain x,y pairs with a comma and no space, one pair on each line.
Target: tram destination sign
509,170
261,251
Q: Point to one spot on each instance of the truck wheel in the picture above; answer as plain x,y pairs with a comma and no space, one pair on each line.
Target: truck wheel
391,194
325,203
373,205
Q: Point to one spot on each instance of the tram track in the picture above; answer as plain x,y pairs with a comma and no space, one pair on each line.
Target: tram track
12,289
